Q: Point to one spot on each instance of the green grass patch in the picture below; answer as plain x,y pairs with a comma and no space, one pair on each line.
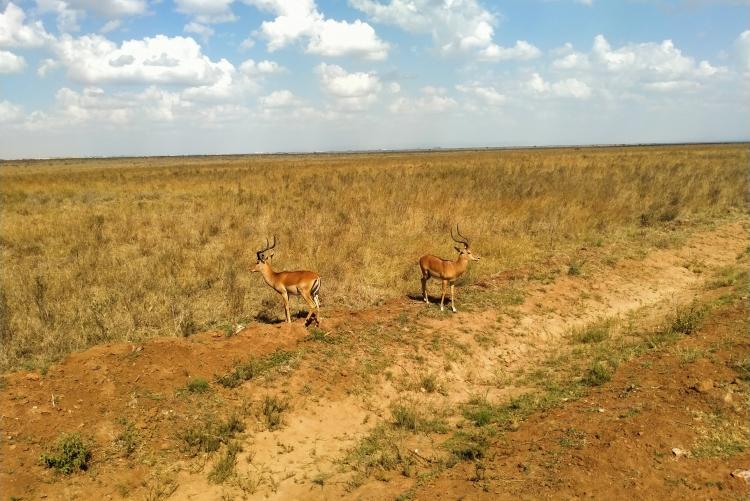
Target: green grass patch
197,385
593,333
225,466
272,410
128,439
598,374
208,434
380,451
408,416
254,368
70,453
468,445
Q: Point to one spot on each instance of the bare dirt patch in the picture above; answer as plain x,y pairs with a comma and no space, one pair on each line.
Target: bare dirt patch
337,386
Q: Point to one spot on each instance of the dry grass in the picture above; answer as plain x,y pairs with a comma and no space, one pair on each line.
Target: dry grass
123,249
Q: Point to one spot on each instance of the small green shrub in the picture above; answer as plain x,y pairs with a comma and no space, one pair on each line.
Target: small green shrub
597,374
272,410
197,385
470,445
209,434
224,467
70,453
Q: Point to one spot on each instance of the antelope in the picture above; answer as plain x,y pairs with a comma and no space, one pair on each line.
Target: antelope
302,283
446,270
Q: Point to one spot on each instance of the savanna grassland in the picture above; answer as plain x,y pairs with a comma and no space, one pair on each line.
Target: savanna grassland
599,349
102,250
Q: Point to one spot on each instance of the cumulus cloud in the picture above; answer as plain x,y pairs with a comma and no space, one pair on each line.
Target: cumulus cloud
522,51
568,88
486,94
93,59
278,99
431,100
457,26
351,91
207,11
301,20
15,32
202,30
11,63
71,12
9,112
742,50
265,67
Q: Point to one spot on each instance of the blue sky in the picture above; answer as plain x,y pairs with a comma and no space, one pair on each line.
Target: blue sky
148,77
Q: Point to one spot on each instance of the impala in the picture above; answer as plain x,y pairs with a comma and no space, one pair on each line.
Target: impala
286,283
445,270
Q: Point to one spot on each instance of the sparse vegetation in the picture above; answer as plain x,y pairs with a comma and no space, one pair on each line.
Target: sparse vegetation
197,385
593,333
164,250
208,434
272,410
70,453
128,439
254,368
225,465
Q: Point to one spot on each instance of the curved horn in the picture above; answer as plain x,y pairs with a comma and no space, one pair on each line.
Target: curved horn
466,240
273,244
268,246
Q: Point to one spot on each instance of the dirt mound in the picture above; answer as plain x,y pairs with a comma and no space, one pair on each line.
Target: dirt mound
335,386
670,425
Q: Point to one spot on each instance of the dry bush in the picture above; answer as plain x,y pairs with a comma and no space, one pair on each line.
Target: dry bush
122,249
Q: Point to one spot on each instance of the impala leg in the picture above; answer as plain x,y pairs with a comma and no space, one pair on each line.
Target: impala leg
424,288
311,306
285,298
453,304
442,296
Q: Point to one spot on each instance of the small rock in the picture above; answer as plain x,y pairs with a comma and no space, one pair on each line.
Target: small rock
679,452
743,474
600,409
640,433
704,386
728,397
32,376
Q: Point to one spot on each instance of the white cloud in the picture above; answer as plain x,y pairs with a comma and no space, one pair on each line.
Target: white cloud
568,88
575,60
672,86
296,20
265,67
70,13
9,112
46,66
178,60
432,100
278,99
11,63
487,94
110,8
456,26
14,32
522,51
742,50
207,11
202,30
660,60
110,25
352,91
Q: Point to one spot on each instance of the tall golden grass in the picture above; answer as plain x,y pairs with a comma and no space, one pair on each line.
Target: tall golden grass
122,249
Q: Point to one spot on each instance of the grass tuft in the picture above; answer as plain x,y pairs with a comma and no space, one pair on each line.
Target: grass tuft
70,453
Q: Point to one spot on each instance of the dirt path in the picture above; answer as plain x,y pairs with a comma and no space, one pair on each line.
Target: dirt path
337,392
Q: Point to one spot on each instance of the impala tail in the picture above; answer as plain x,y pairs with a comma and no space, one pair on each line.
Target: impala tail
314,290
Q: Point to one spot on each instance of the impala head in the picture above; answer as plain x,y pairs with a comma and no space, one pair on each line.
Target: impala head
264,255
465,251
